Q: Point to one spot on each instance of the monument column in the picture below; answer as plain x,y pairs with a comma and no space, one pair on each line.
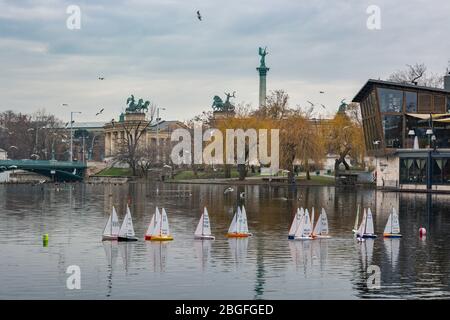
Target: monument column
262,70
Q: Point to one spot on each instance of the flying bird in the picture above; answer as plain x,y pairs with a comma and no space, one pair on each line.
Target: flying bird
199,16
64,104
101,78
100,112
312,104
228,190
67,123
323,106
321,91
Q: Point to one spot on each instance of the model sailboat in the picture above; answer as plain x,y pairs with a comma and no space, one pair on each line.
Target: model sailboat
111,231
152,225
161,232
296,223
321,228
366,229
203,230
304,230
126,232
392,229
239,227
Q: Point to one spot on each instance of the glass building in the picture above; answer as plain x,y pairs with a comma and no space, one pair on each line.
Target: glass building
407,130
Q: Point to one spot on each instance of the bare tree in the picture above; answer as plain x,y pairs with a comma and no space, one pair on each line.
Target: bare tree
130,144
417,74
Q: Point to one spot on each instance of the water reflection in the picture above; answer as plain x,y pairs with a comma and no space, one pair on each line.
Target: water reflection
202,250
264,266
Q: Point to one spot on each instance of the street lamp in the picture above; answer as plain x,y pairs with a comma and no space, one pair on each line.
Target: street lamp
411,134
71,133
376,143
157,132
429,133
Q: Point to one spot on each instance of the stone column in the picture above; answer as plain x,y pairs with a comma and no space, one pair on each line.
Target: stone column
262,85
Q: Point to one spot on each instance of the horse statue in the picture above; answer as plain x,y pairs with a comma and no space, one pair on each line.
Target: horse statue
217,104
140,106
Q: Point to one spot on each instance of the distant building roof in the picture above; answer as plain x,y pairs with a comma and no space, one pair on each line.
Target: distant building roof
371,82
88,125
166,125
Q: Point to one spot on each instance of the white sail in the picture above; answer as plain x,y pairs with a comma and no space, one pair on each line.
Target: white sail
304,229
395,226
157,227
151,226
244,225
127,230
388,227
206,223
369,222
296,221
323,222
112,226
307,228
312,219
199,230
165,231
362,226
203,227
318,227
233,225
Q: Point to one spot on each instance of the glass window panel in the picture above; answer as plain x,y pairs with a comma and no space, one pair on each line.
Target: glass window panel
403,171
437,171
392,129
411,101
446,171
390,100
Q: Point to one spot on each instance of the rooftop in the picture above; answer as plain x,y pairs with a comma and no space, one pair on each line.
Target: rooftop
371,82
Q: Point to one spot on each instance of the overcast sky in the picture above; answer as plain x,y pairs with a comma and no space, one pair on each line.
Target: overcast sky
158,50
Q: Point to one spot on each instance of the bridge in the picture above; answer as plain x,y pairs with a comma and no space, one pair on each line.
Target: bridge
56,170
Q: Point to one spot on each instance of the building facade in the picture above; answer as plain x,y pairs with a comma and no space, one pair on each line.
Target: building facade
155,136
407,130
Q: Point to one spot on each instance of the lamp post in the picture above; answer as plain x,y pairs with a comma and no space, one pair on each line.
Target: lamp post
411,134
376,143
431,137
157,132
71,133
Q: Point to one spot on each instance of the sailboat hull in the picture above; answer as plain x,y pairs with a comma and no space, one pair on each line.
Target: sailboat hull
204,237
109,238
147,237
370,236
291,237
127,239
161,238
321,237
390,235
239,235
303,238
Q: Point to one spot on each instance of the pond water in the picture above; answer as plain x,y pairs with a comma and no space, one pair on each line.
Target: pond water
265,266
